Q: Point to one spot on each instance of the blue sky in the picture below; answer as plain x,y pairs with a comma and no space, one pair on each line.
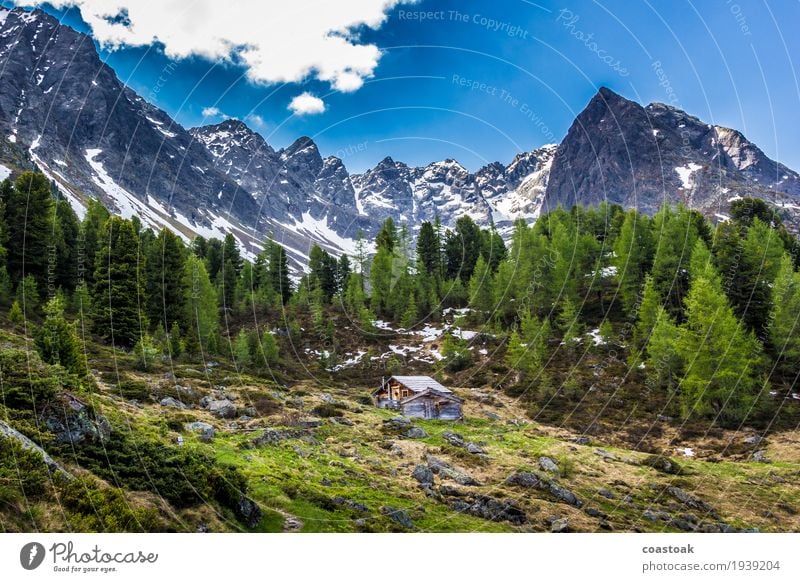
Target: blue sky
480,82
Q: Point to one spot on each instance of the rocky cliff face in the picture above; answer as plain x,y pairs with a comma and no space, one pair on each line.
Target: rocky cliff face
619,151
63,110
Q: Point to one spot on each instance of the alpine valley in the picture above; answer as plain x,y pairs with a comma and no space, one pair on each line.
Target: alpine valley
65,112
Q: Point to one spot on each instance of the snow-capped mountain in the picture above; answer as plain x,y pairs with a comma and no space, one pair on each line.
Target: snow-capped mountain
66,112
637,156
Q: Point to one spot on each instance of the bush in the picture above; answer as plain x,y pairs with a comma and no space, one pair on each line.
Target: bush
664,464
266,406
184,478
131,389
27,381
328,410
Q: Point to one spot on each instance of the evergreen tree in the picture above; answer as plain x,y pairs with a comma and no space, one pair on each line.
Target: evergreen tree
429,255
90,240
28,295
66,235
241,350
117,285
28,218
674,234
722,360
230,252
784,320
664,363
647,317
57,341
279,271
387,236
480,287
175,341
164,281
269,349
202,315
633,256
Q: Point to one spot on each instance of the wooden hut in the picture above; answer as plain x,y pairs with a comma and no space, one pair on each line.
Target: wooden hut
418,397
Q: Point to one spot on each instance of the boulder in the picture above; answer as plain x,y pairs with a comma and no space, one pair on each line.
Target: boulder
249,512
423,475
399,516
10,433
475,449
690,500
490,508
74,422
222,408
560,525
416,432
206,430
548,464
532,480
453,438
753,440
397,423
760,456
447,471
170,402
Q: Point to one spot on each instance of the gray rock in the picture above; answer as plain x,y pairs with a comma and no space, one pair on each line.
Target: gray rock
446,471
10,433
416,432
548,464
170,402
475,449
690,500
606,493
423,474
74,422
222,408
355,505
760,456
453,438
399,516
206,430
532,480
490,508
560,525
581,440
397,423
753,440
249,512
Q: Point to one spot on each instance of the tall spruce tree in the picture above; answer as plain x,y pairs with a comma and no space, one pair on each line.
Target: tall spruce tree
164,280
117,284
29,222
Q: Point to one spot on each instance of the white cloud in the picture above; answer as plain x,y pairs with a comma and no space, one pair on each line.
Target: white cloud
276,41
306,104
213,112
255,120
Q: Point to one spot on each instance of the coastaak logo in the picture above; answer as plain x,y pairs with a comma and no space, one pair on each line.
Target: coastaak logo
32,555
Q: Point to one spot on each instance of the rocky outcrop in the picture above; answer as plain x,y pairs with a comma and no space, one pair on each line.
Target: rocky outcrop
8,432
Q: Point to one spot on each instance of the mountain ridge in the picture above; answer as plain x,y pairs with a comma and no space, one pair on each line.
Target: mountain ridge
65,111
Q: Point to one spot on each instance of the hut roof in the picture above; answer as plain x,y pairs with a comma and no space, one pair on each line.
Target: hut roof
420,383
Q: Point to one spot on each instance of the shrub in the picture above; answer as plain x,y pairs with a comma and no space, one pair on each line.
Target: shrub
26,380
